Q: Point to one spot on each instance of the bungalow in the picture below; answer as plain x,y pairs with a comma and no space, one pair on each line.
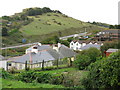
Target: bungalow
49,54
79,44
109,51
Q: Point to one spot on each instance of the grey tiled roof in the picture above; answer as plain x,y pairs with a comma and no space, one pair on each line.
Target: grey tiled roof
1,57
112,31
87,41
46,55
35,57
66,52
91,45
55,54
112,50
40,48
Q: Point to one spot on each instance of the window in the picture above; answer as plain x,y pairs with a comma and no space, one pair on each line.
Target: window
71,43
9,64
76,48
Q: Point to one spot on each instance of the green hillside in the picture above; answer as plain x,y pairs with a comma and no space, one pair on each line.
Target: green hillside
35,26
51,22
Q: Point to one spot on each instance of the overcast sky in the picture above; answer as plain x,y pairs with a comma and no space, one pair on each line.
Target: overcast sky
105,11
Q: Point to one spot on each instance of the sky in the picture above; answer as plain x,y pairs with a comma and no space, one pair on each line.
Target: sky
105,11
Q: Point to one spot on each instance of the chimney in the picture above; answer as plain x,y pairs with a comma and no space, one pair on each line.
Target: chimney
39,44
35,49
57,46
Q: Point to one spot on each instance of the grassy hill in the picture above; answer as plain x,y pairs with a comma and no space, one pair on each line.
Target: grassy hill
37,28
51,22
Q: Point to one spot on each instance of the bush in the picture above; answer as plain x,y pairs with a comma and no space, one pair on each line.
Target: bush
92,52
43,77
57,79
30,76
104,73
27,76
82,61
6,75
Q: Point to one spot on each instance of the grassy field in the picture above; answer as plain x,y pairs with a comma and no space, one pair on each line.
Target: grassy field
6,83
51,22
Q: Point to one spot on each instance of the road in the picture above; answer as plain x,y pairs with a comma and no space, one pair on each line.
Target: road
63,38
19,46
74,35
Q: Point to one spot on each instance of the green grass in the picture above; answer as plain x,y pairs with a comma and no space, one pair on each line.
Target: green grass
6,83
45,24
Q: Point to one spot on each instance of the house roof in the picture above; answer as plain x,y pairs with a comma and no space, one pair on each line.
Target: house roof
91,45
46,55
112,50
1,57
40,48
66,52
83,41
35,58
113,31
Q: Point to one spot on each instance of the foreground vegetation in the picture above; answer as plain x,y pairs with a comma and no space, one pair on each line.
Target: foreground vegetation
102,72
67,77
7,83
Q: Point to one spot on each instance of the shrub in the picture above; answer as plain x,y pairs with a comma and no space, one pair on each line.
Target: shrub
57,79
82,61
27,76
43,77
92,52
104,73
6,75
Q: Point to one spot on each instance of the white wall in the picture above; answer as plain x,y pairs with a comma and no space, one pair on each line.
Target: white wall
3,64
78,46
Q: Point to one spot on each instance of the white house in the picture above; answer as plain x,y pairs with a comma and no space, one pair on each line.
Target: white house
78,44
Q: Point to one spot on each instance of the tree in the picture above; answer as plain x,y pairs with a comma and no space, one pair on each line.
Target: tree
82,61
104,73
43,64
4,31
92,52
65,42
56,39
46,9
111,27
70,39
6,17
26,66
118,27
